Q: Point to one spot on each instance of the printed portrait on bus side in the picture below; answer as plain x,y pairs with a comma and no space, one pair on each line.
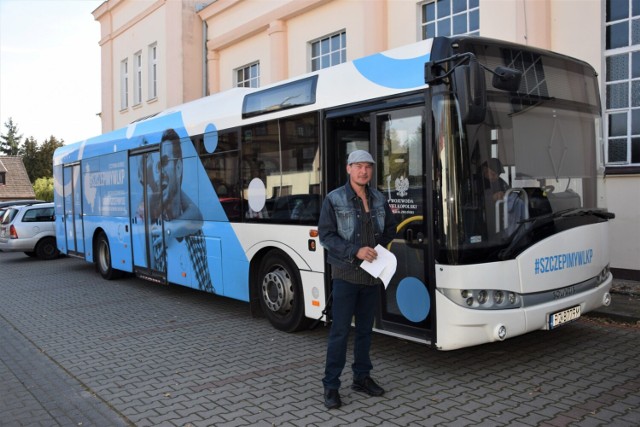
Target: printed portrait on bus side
182,218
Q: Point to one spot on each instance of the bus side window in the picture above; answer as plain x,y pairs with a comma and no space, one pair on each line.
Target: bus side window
222,168
284,154
301,166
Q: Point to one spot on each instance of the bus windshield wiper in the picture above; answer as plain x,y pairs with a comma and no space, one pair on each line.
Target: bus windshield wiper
525,226
563,212
570,212
600,213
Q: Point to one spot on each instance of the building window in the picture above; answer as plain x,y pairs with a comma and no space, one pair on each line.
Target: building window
153,71
248,76
137,79
124,84
450,17
622,82
2,178
329,51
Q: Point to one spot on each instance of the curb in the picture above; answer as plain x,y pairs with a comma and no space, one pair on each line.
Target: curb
625,303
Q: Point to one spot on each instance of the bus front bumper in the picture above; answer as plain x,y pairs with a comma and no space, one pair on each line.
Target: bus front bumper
460,327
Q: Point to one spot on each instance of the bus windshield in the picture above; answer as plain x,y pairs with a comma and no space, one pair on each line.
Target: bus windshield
524,173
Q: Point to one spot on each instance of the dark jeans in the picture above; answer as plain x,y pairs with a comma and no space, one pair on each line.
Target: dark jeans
350,300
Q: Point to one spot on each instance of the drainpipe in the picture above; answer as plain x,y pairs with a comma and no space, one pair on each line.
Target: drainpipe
205,68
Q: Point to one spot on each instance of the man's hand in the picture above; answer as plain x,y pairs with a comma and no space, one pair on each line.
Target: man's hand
367,254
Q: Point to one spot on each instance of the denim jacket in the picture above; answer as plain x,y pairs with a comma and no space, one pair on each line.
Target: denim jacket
340,224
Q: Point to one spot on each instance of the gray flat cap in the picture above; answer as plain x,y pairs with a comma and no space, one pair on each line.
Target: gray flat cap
360,156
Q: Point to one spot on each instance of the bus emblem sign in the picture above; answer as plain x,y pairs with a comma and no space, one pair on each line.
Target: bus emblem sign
402,185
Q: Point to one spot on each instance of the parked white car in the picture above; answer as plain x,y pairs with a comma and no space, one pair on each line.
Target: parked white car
29,229
6,204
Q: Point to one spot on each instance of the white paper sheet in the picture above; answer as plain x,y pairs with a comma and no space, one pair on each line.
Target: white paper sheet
384,267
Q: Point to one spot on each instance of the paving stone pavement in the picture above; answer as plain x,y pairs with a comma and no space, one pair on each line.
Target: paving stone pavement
78,350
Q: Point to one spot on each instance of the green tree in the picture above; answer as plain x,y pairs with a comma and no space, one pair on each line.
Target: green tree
30,158
45,157
10,142
43,187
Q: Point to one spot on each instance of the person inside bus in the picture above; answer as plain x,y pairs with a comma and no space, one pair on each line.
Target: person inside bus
354,219
495,189
494,186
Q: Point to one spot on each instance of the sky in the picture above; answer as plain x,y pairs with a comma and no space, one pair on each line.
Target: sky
50,68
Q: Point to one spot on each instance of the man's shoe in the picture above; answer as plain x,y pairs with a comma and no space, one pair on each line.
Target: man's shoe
367,385
332,398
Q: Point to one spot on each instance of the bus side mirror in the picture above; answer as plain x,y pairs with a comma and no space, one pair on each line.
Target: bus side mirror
469,87
506,79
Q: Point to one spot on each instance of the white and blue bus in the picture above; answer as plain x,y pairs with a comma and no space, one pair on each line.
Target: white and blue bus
488,152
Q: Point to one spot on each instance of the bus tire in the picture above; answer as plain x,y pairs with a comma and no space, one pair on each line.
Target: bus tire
46,249
280,291
102,254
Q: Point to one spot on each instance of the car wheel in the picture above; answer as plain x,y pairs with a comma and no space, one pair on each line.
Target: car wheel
46,248
31,254
102,255
281,292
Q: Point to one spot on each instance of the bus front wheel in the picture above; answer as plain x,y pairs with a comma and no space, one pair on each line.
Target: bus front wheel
281,292
102,254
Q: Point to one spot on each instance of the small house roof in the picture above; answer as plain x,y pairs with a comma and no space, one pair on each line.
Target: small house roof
16,180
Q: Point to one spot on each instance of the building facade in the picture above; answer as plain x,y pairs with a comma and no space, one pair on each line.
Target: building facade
161,53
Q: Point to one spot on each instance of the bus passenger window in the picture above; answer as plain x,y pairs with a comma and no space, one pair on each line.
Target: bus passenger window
222,168
281,159
300,168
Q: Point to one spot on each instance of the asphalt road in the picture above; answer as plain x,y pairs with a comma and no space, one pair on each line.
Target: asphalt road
78,350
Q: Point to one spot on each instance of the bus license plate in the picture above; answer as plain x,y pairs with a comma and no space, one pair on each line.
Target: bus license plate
564,316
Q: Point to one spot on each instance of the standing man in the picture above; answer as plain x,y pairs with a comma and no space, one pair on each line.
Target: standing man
354,219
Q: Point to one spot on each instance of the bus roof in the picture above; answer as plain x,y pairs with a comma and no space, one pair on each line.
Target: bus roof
378,75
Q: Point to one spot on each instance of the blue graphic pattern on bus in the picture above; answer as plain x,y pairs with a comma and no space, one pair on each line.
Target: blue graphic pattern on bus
413,299
393,73
105,181
211,138
559,262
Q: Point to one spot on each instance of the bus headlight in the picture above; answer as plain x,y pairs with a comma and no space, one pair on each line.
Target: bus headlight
498,297
603,275
483,299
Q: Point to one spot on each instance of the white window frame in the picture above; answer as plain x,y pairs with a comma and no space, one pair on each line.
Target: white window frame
247,75
124,84
630,80
324,53
137,78
445,18
152,79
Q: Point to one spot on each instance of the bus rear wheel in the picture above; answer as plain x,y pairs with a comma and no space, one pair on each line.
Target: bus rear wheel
102,254
281,292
